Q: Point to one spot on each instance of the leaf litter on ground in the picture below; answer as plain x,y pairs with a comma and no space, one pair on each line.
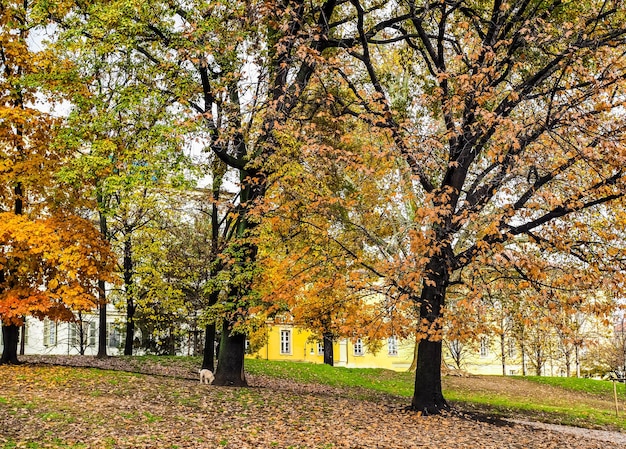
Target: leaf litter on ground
166,407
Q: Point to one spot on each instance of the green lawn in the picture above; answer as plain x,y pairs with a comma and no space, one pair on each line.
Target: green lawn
581,402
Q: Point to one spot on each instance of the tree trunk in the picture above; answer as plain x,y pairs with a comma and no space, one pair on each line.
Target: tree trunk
130,328
11,332
23,339
81,334
329,356
503,353
102,322
10,338
102,298
130,305
230,367
208,355
428,397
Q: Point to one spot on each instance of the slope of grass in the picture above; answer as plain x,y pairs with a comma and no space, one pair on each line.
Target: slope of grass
591,386
580,402
44,405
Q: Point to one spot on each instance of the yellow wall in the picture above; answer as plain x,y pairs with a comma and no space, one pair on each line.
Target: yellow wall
304,348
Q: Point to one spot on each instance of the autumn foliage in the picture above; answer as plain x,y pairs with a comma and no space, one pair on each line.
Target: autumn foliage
50,267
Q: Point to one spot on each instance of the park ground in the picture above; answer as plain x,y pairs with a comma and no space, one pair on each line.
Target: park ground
150,403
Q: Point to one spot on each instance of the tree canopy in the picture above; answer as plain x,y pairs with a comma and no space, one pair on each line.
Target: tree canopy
449,157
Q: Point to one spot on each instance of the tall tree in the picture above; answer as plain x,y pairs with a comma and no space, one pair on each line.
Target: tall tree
128,154
50,256
239,69
512,132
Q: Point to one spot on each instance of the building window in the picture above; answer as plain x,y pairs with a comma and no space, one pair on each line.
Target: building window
49,333
88,334
511,349
392,345
320,348
114,336
484,346
358,347
285,341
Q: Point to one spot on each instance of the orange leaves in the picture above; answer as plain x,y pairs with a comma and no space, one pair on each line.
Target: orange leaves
50,266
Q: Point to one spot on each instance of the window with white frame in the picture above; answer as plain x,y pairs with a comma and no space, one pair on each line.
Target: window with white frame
358,347
484,346
320,348
285,341
49,333
392,345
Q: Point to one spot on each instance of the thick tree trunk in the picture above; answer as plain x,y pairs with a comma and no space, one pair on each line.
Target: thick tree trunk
10,339
329,356
208,355
231,354
428,397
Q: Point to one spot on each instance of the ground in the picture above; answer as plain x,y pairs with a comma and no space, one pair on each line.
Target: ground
60,407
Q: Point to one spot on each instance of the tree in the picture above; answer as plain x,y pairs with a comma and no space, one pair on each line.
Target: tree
512,133
50,257
207,55
128,153
334,184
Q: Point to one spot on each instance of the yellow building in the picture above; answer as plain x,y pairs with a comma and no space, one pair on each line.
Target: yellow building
288,342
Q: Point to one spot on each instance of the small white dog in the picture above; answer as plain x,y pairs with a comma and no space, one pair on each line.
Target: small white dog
206,376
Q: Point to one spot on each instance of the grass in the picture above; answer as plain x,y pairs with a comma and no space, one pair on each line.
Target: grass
590,386
570,401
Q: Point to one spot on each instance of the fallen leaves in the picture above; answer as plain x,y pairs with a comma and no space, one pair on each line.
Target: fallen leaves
51,406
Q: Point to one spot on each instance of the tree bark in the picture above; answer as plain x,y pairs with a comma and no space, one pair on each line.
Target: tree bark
10,338
208,354
230,367
23,339
329,356
428,396
503,353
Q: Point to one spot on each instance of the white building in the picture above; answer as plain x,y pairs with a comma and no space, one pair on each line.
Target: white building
61,338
